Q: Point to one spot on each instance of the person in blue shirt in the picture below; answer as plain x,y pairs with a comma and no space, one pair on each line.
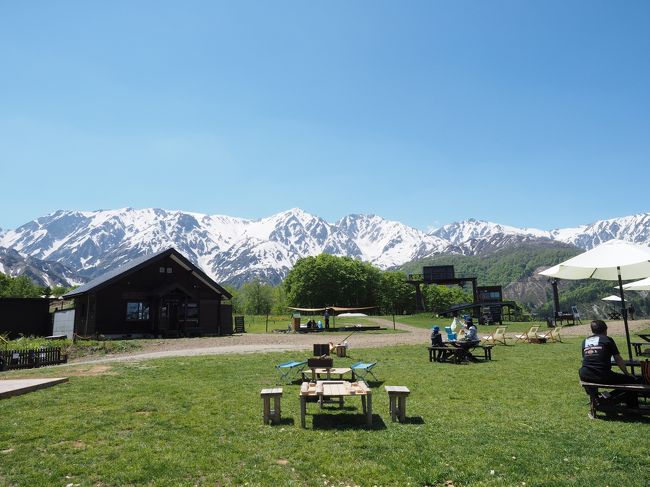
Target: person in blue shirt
326,317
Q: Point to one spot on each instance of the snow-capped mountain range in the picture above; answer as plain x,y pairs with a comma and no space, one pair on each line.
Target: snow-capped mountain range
233,250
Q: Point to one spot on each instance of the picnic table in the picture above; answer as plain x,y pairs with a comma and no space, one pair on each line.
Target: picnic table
599,402
327,389
644,336
459,352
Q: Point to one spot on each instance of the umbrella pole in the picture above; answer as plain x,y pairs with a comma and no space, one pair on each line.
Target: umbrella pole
624,313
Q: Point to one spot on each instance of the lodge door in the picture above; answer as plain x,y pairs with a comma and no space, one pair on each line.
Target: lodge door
169,324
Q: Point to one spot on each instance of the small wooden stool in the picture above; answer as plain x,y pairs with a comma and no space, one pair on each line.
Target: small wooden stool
272,415
397,402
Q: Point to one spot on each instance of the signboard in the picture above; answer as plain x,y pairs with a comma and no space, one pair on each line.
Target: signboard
434,273
239,324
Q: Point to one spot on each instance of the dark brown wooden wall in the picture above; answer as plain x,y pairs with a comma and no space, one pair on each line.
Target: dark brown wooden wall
26,316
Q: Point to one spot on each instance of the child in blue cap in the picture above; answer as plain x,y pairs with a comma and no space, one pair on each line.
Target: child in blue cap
436,341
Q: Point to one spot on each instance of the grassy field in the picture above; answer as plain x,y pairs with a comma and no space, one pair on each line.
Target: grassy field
518,420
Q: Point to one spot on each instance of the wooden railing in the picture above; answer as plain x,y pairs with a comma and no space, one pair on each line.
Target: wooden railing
30,358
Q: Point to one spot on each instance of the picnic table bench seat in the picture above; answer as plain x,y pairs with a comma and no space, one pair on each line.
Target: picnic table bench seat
597,403
458,354
638,350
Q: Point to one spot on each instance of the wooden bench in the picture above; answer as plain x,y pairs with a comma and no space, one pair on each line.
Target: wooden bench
487,351
397,402
598,403
271,415
447,352
458,353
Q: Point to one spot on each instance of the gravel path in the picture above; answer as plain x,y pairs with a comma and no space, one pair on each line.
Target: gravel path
267,342
286,342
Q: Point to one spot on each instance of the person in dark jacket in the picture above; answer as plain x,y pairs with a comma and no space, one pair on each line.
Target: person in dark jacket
597,353
436,341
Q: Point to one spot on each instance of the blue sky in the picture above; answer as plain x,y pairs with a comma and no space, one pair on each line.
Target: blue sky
519,112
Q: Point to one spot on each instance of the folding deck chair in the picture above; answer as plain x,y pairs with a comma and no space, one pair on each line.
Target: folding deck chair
362,369
525,337
552,335
289,369
498,335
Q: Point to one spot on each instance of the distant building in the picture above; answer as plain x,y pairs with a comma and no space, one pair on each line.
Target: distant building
163,294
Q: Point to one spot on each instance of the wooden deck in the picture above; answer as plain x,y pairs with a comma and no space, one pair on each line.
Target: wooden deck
16,387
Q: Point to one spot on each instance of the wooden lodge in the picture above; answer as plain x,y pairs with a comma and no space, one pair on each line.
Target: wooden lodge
163,294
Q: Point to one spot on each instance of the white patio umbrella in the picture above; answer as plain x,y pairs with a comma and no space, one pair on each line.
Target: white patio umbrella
642,285
615,260
613,297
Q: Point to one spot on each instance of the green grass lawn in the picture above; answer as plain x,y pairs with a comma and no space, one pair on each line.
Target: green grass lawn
521,418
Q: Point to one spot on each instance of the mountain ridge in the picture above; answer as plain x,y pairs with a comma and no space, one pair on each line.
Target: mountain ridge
234,250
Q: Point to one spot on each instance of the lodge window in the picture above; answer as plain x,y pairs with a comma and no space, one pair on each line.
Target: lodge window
137,311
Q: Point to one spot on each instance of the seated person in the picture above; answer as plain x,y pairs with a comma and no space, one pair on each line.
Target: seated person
470,338
597,353
436,341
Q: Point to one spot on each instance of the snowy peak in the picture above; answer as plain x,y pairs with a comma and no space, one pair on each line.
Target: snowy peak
460,232
633,228
234,250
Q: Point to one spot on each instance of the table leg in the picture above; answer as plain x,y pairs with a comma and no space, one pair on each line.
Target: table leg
267,409
277,414
402,409
369,409
303,407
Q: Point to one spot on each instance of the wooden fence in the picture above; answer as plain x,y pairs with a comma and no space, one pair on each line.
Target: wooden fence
30,358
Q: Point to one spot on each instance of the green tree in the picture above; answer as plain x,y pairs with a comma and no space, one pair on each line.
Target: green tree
257,298
280,302
440,298
236,301
396,295
18,287
327,280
